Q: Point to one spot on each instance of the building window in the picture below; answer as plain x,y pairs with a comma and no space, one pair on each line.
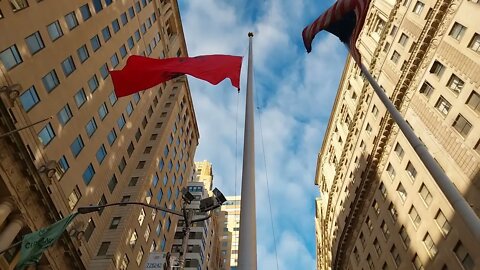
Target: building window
402,192
462,125
101,154
123,18
85,11
115,26
376,244
121,122
103,201
131,12
46,135
141,164
130,149
385,230
68,66
102,251
63,163
88,174
104,71
391,171
415,217
396,255
133,239
383,190
122,165
93,83
426,195
430,245
137,35
124,263
10,57
71,20
29,98
102,111
412,172
393,211
137,7
399,151
97,5
417,263
140,256
123,51
473,101
111,137
50,81
34,42
130,42
404,235
113,98
64,115
443,106
403,39
437,69
115,222
106,34
89,229
475,43
82,53
80,98
95,42
457,31
91,127
463,256
395,57
426,89
112,183
74,197
417,9
77,146
141,217
54,30
442,222
455,84
477,147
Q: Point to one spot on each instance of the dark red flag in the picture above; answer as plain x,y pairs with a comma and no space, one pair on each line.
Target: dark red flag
344,19
141,73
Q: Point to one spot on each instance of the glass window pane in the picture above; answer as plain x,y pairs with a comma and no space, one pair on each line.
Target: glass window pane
54,30
83,53
106,34
34,42
29,98
85,11
71,20
80,98
50,81
64,115
46,135
68,66
10,57
95,42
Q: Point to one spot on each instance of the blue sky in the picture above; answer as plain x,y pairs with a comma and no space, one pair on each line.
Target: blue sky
294,96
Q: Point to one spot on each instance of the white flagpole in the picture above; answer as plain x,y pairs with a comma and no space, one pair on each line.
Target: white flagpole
247,250
457,201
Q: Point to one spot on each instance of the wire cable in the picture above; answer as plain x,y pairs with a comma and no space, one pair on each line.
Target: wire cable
268,188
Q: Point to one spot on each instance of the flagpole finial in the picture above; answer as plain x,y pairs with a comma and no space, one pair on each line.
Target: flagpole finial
250,34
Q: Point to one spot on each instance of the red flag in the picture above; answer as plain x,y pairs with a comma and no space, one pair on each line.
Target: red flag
344,19
141,73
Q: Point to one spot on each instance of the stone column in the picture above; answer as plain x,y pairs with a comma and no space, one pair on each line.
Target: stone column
10,232
6,207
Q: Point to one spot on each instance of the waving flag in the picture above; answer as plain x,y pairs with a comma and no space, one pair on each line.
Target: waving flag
35,243
141,73
344,19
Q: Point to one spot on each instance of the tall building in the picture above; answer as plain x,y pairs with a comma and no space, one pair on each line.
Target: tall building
203,244
229,220
379,206
95,148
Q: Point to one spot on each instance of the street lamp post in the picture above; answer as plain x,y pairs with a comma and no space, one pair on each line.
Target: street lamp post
206,205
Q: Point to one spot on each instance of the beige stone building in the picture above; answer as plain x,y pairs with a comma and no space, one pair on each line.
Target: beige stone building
229,220
95,148
379,207
203,245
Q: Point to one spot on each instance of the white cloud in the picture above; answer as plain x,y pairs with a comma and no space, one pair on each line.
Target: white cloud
294,93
